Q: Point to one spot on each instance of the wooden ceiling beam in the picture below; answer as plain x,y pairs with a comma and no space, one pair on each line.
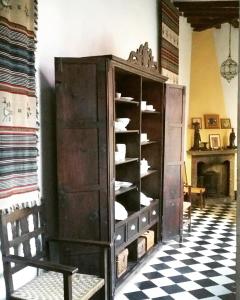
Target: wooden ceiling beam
212,13
203,26
202,14
212,21
193,5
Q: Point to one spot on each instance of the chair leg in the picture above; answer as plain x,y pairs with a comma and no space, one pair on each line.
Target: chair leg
189,219
67,283
204,200
201,200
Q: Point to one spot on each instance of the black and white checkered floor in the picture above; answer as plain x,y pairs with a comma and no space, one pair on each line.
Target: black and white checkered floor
202,267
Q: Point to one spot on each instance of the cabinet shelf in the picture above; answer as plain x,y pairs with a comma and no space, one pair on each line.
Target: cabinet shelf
148,143
148,173
126,102
127,131
150,112
125,190
127,160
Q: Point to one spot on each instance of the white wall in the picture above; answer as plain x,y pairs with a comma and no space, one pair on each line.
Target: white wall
85,28
185,51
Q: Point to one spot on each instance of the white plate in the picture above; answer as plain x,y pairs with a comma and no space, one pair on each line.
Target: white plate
122,184
126,98
120,130
125,184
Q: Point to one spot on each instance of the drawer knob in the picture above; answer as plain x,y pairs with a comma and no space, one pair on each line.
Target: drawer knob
133,227
119,237
144,219
154,213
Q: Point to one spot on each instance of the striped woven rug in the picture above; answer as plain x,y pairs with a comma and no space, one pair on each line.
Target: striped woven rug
18,162
169,56
18,102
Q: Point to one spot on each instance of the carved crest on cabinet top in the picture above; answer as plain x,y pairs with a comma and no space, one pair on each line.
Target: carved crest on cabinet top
143,58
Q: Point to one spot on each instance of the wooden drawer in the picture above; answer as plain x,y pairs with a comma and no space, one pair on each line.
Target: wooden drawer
122,262
143,220
120,235
132,227
154,212
149,237
141,247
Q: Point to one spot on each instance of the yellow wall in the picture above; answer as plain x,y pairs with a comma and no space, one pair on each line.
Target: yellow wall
206,93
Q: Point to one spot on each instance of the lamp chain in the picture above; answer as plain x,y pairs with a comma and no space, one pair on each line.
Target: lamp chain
229,40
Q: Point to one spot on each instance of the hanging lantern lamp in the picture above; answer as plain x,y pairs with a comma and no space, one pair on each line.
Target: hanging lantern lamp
229,67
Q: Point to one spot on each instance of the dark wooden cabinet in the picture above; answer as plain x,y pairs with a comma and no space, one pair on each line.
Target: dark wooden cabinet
86,143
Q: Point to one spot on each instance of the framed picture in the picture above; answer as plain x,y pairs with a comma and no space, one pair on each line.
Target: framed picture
196,120
211,121
225,123
214,141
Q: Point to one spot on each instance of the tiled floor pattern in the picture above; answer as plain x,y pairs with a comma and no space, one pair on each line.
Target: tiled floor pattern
202,267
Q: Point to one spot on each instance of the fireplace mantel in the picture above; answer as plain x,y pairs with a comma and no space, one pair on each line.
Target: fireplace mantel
212,152
211,157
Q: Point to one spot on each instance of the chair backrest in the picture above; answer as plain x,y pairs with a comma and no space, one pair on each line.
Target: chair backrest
22,233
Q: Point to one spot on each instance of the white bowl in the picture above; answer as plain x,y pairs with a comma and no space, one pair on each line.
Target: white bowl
119,127
123,121
119,156
121,148
143,137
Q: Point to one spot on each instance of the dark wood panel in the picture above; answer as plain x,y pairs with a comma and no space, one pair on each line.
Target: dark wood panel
74,104
171,218
174,141
173,162
77,149
79,215
172,182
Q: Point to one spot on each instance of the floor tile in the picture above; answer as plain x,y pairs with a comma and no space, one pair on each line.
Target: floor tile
136,296
201,294
218,290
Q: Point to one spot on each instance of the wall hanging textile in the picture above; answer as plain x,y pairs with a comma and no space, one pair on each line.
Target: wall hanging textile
18,162
18,102
169,55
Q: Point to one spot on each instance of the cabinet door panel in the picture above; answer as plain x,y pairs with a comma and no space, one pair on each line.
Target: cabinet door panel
78,149
173,162
79,215
79,97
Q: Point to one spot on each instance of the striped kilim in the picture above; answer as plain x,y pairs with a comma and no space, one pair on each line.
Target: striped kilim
18,162
169,57
18,102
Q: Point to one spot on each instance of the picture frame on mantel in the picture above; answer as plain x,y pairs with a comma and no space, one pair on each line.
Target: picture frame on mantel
214,141
225,123
212,121
196,120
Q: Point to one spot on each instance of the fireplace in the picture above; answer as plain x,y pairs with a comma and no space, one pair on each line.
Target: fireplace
214,170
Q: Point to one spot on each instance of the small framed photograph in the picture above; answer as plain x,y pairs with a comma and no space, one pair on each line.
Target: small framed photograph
214,141
225,123
196,120
211,121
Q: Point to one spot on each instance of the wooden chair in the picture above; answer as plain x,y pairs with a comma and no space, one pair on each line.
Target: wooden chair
60,281
196,192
